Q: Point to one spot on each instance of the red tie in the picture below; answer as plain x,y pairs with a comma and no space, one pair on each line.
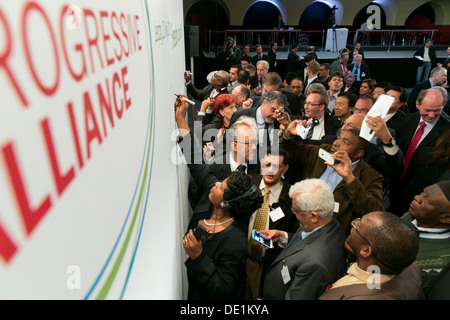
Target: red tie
412,146
343,68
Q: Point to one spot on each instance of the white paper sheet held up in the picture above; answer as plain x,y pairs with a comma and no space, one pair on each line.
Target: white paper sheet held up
380,108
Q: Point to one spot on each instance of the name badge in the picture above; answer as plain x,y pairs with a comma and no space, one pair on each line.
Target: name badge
285,274
276,214
336,207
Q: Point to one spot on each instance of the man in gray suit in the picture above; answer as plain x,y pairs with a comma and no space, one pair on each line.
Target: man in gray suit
313,257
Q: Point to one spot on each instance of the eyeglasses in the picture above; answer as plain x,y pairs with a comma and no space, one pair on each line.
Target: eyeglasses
353,223
294,211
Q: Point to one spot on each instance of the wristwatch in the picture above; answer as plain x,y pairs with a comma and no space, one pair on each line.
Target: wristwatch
391,143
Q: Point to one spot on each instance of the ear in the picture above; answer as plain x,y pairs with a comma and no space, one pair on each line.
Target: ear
365,251
417,105
314,216
359,154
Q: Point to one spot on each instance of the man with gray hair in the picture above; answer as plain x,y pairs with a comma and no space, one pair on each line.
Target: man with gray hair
272,104
438,77
314,256
218,85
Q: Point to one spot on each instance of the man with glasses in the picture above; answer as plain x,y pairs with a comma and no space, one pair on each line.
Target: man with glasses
385,249
321,122
277,215
357,187
238,152
314,256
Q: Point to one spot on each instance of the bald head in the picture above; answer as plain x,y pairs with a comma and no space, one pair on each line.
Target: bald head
354,122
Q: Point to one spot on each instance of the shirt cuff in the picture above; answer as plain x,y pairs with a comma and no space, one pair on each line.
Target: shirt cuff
391,151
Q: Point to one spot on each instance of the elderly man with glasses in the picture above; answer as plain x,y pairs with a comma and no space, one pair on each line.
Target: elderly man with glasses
314,256
385,249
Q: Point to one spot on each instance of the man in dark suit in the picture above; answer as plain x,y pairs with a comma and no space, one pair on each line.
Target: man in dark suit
396,115
350,84
314,256
438,77
265,115
428,124
340,65
385,249
259,55
272,54
218,85
278,216
359,69
293,60
356,50
237,152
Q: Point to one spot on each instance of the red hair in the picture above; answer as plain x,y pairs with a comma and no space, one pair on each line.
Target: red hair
223,101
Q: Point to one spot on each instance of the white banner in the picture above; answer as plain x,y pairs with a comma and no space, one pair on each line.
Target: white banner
90,204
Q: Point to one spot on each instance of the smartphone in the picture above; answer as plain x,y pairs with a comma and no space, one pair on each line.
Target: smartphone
325,155
200,232
262,239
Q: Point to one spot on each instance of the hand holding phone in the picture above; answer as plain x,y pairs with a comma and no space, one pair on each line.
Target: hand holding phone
200,232
325,155
256,235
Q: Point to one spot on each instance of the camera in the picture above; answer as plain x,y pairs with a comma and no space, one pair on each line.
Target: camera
229,45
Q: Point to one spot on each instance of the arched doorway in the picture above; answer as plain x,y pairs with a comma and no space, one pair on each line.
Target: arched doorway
422,18
208,15
261,15
315,17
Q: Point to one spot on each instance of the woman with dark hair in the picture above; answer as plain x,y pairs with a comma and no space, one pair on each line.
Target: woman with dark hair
217,259
367,87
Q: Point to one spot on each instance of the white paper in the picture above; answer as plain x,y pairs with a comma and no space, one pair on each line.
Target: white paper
419,57
380,108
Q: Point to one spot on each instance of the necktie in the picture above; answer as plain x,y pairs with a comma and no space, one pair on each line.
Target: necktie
296,239
343,68
241,168
412,146
254,248
310,132
266,135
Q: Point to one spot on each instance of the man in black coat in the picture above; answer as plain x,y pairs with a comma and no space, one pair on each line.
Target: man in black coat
430,104
279,216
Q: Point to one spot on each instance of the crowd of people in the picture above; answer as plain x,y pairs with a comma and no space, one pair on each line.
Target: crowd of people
348,216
